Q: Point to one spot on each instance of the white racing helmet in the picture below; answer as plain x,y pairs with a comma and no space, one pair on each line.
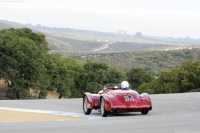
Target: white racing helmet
124,84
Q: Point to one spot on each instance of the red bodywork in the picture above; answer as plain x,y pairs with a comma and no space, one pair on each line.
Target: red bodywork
120,100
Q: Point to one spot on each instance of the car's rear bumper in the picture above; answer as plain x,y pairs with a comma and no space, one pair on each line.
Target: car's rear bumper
132,108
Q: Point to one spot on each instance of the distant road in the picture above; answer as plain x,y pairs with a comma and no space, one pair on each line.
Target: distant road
172,113
104,46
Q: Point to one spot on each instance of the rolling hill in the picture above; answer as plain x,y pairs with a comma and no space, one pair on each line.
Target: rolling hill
66,40
152,61
121,50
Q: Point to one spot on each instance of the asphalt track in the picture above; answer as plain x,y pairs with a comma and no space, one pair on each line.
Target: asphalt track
172,113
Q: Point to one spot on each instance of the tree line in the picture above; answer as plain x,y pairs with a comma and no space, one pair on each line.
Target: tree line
177,80
25,62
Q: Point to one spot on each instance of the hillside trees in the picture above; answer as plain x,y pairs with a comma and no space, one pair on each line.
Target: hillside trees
64,74
95,75
176,80
114,75
23,61
137,76
193,74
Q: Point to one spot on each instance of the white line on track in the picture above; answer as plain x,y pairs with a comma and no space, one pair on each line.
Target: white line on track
52,112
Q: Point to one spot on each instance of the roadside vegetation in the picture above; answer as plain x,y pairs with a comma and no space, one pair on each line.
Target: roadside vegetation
177,80
26,63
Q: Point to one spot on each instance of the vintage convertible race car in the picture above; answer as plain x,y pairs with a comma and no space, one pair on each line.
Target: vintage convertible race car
114,99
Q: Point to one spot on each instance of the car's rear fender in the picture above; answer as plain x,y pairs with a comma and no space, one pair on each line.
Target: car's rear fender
148,98
93,100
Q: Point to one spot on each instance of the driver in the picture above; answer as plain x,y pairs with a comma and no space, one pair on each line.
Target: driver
125,85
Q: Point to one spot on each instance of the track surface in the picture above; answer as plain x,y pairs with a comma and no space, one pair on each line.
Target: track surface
172,113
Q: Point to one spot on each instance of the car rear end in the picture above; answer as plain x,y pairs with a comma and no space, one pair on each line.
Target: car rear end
129,101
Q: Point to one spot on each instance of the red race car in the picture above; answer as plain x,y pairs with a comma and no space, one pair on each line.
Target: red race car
116,99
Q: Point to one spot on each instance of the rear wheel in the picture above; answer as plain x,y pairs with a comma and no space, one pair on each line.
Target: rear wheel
144,112
104,113
86,110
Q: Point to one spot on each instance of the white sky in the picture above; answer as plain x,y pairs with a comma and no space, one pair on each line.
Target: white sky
174,18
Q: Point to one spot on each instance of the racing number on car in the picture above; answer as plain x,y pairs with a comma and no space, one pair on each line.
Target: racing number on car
128,98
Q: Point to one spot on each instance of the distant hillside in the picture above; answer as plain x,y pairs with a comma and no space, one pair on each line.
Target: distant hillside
153,61
56,43
66,40
177,41
120,50
77,44
131,46
4,26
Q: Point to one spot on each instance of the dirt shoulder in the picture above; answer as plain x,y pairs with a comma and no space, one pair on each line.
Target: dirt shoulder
15,116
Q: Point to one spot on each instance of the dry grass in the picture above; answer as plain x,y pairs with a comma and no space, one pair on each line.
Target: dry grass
3,85
33,92
3,89
52,95
15,116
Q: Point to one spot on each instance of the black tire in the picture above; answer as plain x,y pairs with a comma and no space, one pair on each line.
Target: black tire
144,112
86,110
114,112
104,113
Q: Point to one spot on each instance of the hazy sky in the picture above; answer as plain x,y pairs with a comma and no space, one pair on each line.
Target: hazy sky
175,18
